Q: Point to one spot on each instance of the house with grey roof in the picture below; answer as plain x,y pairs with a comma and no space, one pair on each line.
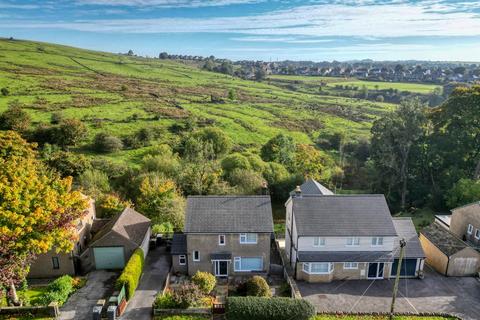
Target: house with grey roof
228,236
340,237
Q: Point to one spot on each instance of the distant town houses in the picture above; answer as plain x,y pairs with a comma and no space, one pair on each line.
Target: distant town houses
398,71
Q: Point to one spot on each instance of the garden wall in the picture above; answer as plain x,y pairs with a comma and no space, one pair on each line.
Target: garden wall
287,274
49,311
183,312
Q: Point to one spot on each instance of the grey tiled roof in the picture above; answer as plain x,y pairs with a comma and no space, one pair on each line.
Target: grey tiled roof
228,214
406,230
342,215
345,256
179,244
313,187
130,224
443,239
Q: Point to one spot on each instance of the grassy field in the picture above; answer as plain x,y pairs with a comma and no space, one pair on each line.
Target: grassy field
371,85
119,94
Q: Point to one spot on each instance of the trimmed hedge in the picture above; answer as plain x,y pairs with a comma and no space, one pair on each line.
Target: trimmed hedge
259,308
257,287
130,276
58,291
205,281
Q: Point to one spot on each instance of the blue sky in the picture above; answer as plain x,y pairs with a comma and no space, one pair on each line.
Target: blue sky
255,29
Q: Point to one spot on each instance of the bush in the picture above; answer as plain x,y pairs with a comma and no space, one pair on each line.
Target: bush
257,287
58,291
106,143
187,295
258,308
205,281
130,276
4,92
165,301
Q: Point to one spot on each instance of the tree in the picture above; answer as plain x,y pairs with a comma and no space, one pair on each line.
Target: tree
215,137
246,181
64,162
106,143
159,199
209,65
130,53
56,118
226,68
463,192
163,55
38,209
281,149
167,163
70,132
393,138
260,74
94,182
235,161
232,94
313,163
110,204
14,118
5,92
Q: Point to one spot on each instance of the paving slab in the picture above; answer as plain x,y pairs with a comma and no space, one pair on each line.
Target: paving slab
435,293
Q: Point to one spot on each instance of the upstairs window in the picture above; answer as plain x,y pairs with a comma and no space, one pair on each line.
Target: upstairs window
221,240
377,241
55,263
470,229
196,255
248,238
353,241
318,242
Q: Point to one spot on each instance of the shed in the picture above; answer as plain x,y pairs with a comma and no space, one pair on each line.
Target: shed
113,245
448,254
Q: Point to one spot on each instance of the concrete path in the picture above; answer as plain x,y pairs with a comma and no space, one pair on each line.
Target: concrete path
435,293
156,269
80,304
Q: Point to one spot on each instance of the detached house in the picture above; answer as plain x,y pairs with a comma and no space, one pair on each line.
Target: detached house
338,237
228,236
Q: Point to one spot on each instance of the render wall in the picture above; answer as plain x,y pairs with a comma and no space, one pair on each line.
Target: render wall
463,216
339,273
434,257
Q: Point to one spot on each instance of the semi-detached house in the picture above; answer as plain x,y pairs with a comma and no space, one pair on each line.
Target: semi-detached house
338,237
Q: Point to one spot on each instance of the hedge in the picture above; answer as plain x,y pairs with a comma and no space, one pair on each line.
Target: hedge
258,287
259,308
205,281
58,291
130,276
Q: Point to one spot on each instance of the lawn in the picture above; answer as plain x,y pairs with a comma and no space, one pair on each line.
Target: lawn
34,294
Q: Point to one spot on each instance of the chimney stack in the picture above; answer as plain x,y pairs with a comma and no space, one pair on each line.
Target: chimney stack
298,192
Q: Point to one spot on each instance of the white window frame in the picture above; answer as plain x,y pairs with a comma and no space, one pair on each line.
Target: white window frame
244,238
350,265
193,255
375,241
220,242
477,234
319,241
470,229
180,258
307,268
239,259
355,241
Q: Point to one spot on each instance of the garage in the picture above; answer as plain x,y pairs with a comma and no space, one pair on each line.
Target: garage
409,268
109,257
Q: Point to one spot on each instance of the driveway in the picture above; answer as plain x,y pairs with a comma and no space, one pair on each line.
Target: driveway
435,293
156,269
79,306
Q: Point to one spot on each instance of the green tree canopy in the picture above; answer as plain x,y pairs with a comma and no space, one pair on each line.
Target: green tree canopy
281,149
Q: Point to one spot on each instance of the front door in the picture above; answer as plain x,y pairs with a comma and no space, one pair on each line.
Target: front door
375,270
221,268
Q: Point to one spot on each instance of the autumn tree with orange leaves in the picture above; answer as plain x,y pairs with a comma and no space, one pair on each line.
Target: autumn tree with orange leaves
38,210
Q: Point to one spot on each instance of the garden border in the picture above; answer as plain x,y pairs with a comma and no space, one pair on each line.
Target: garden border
51,310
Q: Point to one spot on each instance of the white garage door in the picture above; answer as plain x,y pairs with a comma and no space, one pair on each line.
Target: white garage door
109,258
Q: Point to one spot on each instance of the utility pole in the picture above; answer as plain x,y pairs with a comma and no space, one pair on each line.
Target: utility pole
403,243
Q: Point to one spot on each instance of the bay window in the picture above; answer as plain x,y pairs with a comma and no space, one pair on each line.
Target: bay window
318,267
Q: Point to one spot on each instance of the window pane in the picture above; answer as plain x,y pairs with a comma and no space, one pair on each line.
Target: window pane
251,237
322,241
237,264
252,264
316,241
319,267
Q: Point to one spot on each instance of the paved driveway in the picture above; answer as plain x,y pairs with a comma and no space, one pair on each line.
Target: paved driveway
156,269
80,304
435,293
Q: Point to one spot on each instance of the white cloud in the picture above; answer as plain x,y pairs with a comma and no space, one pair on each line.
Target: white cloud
366,20
166,3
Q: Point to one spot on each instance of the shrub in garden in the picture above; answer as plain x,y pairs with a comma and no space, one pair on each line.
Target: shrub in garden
258,287
205,281
107,143
187,295
165,301
130,276
58,291
259,308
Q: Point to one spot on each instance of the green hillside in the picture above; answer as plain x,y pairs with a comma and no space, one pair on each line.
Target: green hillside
119,94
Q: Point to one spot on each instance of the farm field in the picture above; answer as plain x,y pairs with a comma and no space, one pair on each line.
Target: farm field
120,94
333,81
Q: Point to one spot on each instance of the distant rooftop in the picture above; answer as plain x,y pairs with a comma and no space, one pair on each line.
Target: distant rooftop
313,187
